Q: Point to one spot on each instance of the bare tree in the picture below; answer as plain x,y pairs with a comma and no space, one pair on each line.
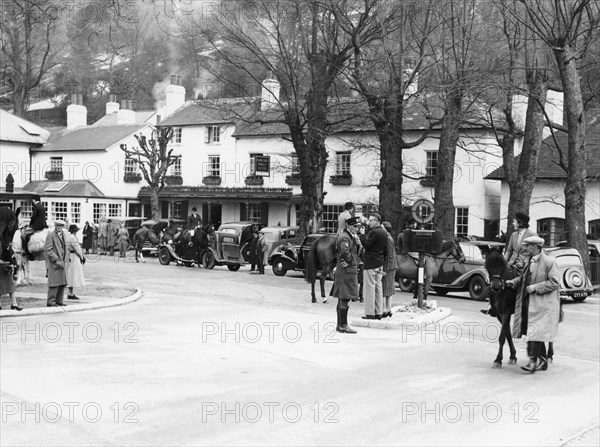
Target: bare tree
568,27
154,159
27,36
301,45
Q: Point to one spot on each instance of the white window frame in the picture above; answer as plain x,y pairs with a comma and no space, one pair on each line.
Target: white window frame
177,135
295,169
212,134
75,212
26,209
59,210
56,164
462,220
98,211
343,162
115,210
213,166
254,212
131,166
431,163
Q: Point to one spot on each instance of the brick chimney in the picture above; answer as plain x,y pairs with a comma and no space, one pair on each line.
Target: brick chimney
112,105
76,112
175,96
126,115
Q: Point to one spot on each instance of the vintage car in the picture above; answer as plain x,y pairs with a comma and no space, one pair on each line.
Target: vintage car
574,282
292,256
469,276
230,245
278,235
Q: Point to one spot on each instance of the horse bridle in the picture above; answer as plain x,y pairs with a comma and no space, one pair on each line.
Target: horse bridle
497,283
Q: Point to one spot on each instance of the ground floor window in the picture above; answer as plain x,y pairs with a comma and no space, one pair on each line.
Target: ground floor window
176,210
59,211
462,221
26,209
330,217
75,212
254,212
552,230
99,210
114,210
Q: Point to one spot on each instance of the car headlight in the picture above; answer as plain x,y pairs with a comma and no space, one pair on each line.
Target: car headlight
574,278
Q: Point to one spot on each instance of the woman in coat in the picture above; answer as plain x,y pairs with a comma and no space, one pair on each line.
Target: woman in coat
123,240
87,238
390,264
537,308
345,285
76,260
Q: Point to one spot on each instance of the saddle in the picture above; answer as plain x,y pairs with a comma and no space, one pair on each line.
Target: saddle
414,256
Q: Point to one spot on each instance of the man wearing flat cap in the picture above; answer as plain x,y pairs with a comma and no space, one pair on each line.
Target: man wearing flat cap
515,255
537,307
57,256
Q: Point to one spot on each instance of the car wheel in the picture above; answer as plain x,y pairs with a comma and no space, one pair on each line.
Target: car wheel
441,291
278,268
208,260
478,289
406,285
233,267
164,257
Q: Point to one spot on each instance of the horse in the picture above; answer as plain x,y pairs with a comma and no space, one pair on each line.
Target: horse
142,235
502,301
35,248
320,255
193,243
408,266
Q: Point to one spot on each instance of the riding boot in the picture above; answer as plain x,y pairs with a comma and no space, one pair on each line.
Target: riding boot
339,317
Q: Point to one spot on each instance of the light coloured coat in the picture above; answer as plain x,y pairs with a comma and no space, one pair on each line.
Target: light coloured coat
56,251
544,304
515,254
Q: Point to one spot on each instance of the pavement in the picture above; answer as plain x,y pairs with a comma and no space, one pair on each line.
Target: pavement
207,359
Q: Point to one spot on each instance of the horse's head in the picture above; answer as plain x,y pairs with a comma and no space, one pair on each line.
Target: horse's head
457,252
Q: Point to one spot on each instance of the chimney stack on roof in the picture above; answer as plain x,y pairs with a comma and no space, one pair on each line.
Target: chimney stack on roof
76,112
126,115
175,93
112,105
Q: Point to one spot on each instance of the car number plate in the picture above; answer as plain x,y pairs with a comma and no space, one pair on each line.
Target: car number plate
579,295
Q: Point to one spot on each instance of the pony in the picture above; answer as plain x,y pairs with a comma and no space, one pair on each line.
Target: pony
502,301
320,256
142,235
35,249
408,267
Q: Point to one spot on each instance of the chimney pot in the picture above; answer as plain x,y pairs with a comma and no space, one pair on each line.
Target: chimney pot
10,183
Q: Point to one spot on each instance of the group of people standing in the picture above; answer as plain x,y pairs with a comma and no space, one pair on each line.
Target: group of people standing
101,238
375,250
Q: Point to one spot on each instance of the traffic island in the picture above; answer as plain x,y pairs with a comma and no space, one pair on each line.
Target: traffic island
32,299
407,315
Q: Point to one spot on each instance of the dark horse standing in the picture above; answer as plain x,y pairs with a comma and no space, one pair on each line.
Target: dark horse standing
142,235
320,256
194,243
502,301
9,221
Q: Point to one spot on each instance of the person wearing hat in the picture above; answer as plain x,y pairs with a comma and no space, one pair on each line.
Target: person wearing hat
36,223
374,242
76,260
515,255
390,264
345,284
57,256
537,307
344,216
194,220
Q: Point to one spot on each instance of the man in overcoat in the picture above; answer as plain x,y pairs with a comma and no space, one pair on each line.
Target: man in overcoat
344,216
374,242
537,306
194,219
57,256
345,285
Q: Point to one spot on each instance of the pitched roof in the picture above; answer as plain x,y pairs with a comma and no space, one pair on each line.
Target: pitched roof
141,117
16,129
74,188
89,138
549,156
209,111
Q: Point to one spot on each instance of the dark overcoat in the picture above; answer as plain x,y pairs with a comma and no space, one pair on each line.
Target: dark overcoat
345,285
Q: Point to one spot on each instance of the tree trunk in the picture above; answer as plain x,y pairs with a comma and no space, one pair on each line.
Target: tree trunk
154,204
390,185
575,189
522,179
444,201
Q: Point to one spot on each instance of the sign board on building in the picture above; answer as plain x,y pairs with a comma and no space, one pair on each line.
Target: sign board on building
263,165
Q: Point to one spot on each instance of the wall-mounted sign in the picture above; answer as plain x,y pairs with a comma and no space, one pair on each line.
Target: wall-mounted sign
263,165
